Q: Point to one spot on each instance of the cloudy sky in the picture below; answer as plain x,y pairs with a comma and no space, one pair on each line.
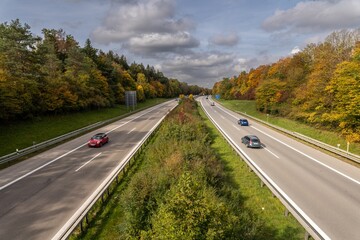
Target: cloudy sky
195,41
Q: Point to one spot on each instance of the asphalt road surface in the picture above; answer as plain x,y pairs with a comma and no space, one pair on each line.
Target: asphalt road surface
38,196
325,189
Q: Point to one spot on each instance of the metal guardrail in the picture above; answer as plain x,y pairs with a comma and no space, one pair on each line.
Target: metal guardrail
34,148
332,149
82,212
42,145
302,218
338,151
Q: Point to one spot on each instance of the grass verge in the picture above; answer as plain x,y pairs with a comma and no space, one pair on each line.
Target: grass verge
22,134
258,199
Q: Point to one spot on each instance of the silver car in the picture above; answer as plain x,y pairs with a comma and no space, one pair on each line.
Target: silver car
251,141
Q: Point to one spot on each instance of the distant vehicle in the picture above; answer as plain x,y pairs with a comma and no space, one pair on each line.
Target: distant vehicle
251,141
207,97
98,140
243,122
212,104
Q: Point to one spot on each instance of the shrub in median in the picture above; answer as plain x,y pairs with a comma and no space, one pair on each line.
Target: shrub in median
182,190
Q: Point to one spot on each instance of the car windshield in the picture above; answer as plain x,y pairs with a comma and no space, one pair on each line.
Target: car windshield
96,137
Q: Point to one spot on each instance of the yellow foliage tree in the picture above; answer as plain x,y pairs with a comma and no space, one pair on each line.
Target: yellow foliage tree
140,93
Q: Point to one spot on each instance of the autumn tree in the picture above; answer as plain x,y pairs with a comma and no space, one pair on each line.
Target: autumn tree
345,89
269,96
53,74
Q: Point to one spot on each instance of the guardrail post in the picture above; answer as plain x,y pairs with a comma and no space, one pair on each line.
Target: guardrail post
261,183
286,212
81,226
307,236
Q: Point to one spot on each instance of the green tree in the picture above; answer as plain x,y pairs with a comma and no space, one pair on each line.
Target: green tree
19,69
224,88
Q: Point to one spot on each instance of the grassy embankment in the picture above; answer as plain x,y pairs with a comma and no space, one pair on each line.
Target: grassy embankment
22,134
331,138
223,200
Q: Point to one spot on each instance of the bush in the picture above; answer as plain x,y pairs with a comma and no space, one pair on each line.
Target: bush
182,192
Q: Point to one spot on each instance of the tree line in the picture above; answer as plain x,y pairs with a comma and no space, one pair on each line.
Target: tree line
319,85
53,74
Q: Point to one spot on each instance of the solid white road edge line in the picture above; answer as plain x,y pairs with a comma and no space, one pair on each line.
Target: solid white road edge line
42,166
311,158
298,209
101,186
67,153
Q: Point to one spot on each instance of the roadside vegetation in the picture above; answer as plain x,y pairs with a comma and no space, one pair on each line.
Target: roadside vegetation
189,184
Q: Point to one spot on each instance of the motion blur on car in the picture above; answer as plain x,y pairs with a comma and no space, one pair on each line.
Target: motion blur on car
251,141
98,140
243,122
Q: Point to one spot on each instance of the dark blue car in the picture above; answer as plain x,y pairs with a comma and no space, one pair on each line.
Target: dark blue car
243,122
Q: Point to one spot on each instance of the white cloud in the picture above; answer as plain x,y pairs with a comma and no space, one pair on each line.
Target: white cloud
314,16
201,68
157,43
135,19
295,50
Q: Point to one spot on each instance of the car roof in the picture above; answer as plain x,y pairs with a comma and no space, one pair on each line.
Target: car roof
99,134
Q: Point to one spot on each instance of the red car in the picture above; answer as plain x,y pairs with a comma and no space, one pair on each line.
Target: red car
98,140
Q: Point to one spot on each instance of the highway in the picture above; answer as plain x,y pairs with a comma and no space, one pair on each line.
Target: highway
39,195
322,188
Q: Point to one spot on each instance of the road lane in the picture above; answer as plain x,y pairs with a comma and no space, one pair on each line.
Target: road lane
326,189
38,196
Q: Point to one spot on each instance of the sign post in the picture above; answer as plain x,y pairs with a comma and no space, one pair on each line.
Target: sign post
130,99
